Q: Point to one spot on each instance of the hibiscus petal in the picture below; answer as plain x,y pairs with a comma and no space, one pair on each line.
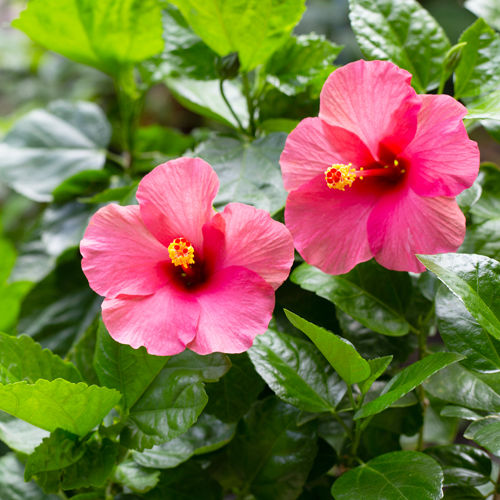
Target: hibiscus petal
120,255
443,160
403,224
236,306
313,146
251,239
163,322
375,101
329,227
176,200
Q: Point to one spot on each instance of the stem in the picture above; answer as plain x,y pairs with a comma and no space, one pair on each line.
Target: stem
442,83
355,443
342,423
497,488
251,109
62,495
221,86
116,158
88,496
351,398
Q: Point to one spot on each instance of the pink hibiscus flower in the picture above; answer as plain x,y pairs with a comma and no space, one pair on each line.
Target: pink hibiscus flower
376,174
177,274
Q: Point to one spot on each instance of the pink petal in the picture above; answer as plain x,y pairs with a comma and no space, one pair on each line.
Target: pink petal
163,322
236,306
120,255
176,200
329,227
250,239
313,146
403,224
373,100
443,160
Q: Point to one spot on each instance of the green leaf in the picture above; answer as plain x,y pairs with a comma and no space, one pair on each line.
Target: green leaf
19,435
477,425
12,485
7,258
462,387
460,412
489,9
399,475
82,354
205,98
488,206
478,71
231,397
483,239
86,183
254,29
46,147
488,437
174,401
109,35
248,172
486,107
128,370
406,380
462,465
297,372
462,493
270,453
462,333
23,359
469,197
403,32
339,352
11,297
377,368
185,483
299,61
164,140
76,408
62,461
371,294
208,434
474,279
135,477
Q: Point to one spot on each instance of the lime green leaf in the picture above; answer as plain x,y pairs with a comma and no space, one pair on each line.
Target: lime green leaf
340,354
407,380
255,29
377,368
76,408
109,34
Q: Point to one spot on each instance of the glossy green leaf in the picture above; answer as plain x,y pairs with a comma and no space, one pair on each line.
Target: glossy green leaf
340,354
205,98
255,29
174,401
479,424
82,354
478,71
109,34
297,372
489,437
231,397
462,465
128,370
474,279
12,485
462,387
23,359
83,184
46,147
462,333
76,408
469,197
270,453
406,380
135,477
185,482
460,412
371,294
486,107
248,172
462,493
407,475
403,32
297,62
208,434
483,239
377,368
19,435
488,206
62,461
489,9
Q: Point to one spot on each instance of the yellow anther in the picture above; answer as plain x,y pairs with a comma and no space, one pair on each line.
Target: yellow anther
396,163
181,252
339,176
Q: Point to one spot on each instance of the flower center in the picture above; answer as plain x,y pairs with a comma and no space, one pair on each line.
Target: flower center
339,176
181,252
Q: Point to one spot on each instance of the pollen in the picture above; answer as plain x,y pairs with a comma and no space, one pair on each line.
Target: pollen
181,252
339,176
